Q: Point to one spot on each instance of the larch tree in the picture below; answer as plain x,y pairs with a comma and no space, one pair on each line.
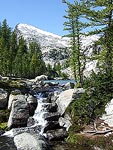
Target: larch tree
100,15
75,26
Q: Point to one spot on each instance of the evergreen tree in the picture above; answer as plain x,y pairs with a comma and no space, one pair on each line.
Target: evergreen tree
0,30
49,71
37,65
12,52
99,14
18,63
57,68
75,26
101,19
4,47
6,33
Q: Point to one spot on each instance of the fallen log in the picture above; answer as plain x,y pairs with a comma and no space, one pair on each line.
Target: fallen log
98,132
103,132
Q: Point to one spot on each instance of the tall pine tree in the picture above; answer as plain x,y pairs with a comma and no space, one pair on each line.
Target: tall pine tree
75,26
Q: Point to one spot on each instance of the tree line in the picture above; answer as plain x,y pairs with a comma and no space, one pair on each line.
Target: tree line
19,59
16,57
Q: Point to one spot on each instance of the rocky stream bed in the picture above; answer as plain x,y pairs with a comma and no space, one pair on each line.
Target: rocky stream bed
36,120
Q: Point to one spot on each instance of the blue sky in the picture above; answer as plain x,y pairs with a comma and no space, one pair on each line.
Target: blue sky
44,14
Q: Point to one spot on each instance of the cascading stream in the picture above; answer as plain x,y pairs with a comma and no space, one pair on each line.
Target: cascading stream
39,112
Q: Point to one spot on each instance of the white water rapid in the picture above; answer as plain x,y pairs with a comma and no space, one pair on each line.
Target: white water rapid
39,112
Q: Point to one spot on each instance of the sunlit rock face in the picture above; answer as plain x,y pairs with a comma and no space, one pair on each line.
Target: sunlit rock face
54,47
57,48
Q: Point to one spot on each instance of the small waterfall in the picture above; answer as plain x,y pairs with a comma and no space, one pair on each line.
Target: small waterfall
40,111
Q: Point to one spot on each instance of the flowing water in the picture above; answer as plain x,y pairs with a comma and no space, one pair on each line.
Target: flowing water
60,82
39,112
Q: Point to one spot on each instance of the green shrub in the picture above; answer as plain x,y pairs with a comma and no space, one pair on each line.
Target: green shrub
81,142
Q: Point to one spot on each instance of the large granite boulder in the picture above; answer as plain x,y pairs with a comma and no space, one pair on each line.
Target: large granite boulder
27,141
40,78
19,113
3,98
64,99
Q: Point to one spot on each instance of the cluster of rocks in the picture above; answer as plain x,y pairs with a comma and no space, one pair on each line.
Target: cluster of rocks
23,106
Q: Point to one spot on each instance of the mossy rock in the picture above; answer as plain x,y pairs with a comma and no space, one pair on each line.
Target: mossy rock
17,84
16,92
3,126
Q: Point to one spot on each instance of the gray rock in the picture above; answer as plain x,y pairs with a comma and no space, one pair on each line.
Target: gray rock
51,107
51,116
65,121
4,78
58,134
19,113
46,100
40,78
1,132
27,141
32,101
3,98
107,117
54,96
64,99
7,143
51,125
40,89
30,121
12,97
